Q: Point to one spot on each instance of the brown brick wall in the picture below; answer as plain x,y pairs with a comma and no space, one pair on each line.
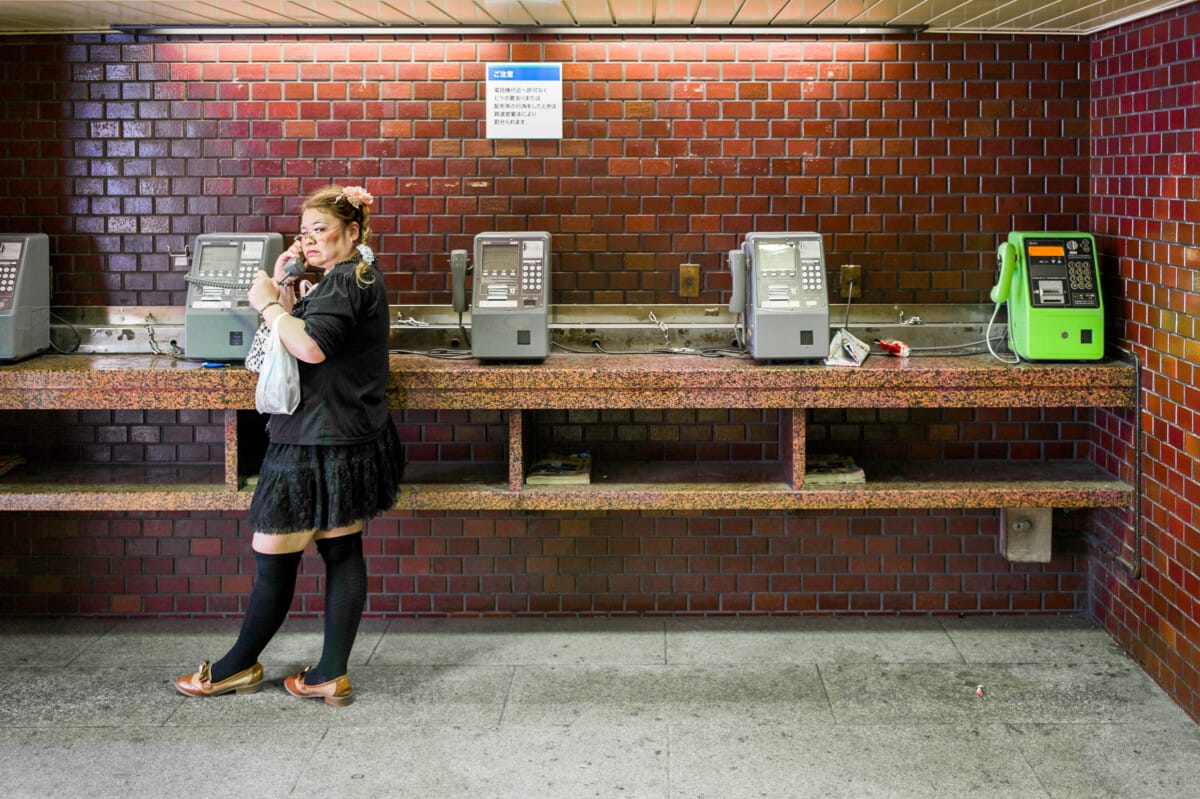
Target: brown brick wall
911,155
909,562
1146,217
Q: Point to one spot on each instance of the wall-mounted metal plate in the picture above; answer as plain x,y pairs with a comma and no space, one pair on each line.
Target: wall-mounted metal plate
689,280
1025,534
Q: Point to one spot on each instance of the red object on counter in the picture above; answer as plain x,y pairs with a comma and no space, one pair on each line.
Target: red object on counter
892,347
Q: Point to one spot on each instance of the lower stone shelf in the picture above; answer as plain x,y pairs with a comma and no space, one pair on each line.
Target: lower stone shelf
117,487
201,488
974,485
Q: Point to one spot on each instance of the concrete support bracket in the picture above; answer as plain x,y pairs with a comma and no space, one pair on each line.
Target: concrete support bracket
1025,534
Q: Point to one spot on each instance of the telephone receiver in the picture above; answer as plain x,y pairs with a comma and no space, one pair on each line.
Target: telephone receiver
737,271
458,280
1006,259
294,268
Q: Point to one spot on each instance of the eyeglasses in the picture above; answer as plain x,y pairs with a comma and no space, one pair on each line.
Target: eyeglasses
316,234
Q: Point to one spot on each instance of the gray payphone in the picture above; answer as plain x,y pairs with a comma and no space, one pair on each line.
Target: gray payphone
510,297
24,294
219,323
779,286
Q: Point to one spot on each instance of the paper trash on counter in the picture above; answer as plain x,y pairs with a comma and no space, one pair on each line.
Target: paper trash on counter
847,349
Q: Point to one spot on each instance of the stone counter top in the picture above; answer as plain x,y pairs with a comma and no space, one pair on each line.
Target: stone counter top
589,381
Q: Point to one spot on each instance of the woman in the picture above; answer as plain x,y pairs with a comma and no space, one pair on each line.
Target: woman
332,464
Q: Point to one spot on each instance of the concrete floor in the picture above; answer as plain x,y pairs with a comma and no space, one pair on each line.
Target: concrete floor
654,708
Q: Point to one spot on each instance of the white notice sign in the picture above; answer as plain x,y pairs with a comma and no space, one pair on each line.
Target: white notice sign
524,101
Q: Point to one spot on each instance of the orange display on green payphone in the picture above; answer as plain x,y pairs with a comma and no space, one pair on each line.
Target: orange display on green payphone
1051,282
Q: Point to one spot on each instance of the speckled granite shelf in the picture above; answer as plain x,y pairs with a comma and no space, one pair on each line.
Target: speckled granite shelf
117,488
639,381
1048,485
591,381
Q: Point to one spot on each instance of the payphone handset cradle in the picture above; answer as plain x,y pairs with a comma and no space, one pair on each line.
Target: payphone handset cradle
458,280
218,321
785,295
510,295
737,272
1050,282
737,294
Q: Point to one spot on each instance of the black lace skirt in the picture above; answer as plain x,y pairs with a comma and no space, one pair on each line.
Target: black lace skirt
302,487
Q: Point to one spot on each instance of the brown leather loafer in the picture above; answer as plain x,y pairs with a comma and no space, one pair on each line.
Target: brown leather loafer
246,681
334,692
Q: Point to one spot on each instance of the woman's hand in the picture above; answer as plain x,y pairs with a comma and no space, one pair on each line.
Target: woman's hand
296,251
263,292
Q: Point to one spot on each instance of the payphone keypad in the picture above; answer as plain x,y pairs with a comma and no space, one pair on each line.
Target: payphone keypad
1081,275
8,277
10,257
811,276
246,272
532,278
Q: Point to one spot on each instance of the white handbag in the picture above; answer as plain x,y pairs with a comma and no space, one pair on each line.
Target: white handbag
278,389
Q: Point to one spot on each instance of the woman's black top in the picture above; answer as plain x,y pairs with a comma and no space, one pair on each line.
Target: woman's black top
343,399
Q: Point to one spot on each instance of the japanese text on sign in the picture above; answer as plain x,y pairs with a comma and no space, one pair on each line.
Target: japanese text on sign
524,101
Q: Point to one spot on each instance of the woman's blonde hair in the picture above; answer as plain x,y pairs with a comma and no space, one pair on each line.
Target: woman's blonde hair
347,204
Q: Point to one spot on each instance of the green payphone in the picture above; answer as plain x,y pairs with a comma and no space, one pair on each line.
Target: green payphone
1051,283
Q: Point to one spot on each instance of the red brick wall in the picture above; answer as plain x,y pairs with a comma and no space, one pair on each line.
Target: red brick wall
123,436
628,562
1146,217
912,156
550,563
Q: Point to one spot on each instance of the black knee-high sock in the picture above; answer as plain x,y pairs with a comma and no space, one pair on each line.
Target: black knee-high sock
269,602
345,595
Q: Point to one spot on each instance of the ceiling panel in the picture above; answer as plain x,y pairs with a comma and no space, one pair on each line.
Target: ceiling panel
1000,16
848,12
766,12
717,12
1031,15
668,12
